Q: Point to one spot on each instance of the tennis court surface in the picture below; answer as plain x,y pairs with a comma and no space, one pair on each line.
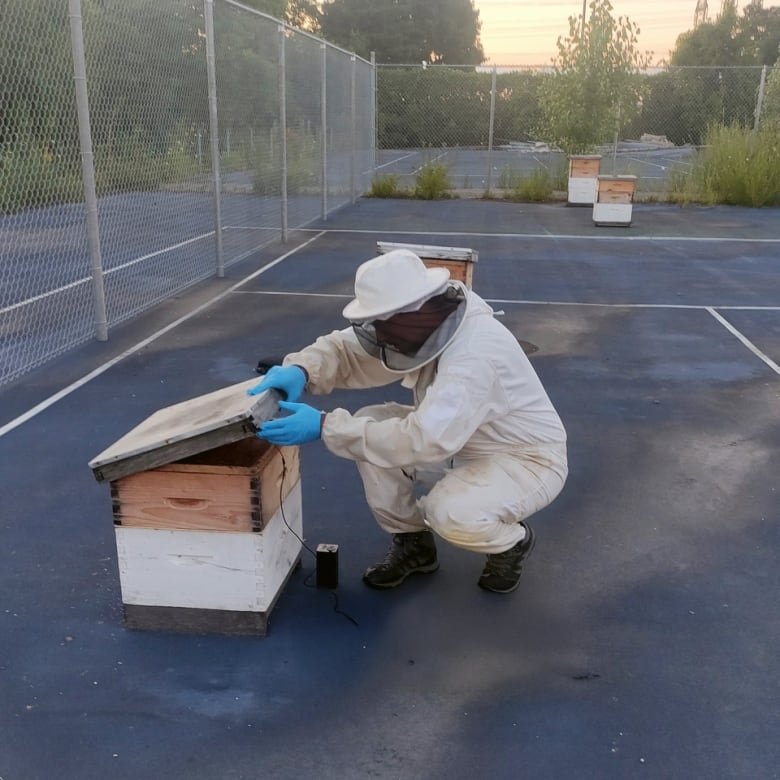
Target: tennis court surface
643,639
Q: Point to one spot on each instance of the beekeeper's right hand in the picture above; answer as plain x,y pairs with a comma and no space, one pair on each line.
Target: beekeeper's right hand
289,380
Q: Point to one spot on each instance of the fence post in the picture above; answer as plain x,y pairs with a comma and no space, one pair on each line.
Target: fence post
760,99
283,128
490,130
88,169
374,114
324,122
214,134
353,114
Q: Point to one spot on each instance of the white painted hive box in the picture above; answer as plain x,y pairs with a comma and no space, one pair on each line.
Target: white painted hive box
583,172
614,200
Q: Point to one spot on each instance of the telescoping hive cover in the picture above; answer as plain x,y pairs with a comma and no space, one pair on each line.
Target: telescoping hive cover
187,428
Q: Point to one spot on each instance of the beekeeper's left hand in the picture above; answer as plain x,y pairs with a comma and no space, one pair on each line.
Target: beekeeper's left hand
302,425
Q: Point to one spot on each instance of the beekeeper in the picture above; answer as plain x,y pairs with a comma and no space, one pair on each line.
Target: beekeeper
481,433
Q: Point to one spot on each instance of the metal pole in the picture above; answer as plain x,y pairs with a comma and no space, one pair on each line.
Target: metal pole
584,10
324,133
353,109
88,169
374,114
760,100
490,130
617,138
283,128
214,133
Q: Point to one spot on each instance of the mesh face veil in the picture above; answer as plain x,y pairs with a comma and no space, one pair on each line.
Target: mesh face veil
407,341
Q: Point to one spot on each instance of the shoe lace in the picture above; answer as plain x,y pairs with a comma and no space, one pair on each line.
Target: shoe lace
502,565
394,552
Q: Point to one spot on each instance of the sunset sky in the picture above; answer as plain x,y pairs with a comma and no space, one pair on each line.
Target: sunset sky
524,32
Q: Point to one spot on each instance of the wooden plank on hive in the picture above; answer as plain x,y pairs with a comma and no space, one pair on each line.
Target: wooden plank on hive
584,166
186,428
237,487
427,251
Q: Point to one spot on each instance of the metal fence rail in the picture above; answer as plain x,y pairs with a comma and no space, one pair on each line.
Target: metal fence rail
149,144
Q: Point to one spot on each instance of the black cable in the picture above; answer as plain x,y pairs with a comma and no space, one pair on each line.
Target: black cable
294,533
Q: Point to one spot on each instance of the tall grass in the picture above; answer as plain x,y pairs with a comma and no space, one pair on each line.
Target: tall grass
385,186
736,167
535,188
432,182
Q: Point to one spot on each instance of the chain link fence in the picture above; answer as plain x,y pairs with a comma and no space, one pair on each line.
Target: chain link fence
487,126
146,145
149,144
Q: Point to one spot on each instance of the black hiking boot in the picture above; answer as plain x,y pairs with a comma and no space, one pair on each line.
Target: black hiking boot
502,570
413,553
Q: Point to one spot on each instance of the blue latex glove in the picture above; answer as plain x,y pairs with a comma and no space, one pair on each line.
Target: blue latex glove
302,425
290,380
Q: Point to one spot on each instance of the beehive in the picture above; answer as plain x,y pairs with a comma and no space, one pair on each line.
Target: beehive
206,538
583,172
459,261
614,200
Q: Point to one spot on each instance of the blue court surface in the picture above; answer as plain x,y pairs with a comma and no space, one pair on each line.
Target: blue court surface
643,640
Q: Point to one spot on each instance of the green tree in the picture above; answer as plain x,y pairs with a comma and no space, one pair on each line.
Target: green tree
759,33
750,39
595,86
771,108
406,31
303,14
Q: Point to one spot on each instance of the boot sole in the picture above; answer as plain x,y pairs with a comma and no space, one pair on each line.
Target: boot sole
428,569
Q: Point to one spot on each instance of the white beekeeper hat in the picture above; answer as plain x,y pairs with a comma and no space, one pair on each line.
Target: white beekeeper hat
394,282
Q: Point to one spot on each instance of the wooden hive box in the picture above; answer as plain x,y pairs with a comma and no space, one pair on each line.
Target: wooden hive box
205,542
614,200
459,261
583,172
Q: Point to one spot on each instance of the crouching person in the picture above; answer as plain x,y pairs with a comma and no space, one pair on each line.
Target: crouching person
481,435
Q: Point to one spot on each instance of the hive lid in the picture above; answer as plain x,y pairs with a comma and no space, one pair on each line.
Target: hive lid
187,428
428,252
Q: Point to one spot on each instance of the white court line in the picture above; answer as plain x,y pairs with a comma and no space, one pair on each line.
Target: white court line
251,227
397,159
66,391
749,344
505,301
43,296
428,162
646,162
554,236
106,272
520,301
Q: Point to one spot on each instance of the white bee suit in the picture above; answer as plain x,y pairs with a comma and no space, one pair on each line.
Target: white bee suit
482,430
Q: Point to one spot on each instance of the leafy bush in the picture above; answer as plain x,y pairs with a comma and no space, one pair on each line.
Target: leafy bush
536,188
432,182
385,186
451,107
737,167
508,178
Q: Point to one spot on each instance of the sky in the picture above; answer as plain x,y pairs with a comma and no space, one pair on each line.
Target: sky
524,32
